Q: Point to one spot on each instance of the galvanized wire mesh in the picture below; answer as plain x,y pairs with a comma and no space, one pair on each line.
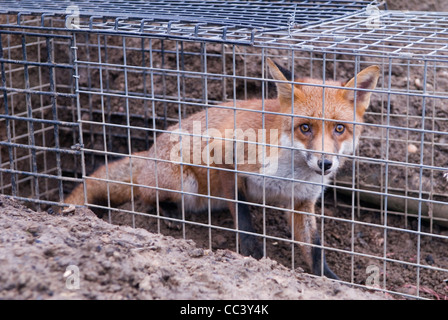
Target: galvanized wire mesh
255,14
228,21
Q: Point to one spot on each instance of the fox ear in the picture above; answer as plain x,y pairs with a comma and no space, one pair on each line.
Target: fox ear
366,79
278,73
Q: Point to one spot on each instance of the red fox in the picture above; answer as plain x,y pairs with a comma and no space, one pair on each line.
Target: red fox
278,152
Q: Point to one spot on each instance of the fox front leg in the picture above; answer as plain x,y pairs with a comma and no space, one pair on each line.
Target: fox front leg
305,231
249,244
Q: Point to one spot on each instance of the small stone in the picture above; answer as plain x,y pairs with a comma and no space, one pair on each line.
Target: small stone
412,148
196,253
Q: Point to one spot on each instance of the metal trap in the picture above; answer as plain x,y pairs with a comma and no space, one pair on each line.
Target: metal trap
88,84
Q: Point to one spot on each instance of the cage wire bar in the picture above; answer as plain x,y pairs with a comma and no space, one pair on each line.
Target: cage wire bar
84,85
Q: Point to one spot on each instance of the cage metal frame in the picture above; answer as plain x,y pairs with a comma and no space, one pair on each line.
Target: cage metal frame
349,35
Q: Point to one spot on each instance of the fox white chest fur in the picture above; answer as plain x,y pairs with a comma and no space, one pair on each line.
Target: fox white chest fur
285,180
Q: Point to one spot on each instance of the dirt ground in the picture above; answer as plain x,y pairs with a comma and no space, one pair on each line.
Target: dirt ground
38,252
400,245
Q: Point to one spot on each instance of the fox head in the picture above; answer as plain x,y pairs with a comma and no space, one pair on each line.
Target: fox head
323,126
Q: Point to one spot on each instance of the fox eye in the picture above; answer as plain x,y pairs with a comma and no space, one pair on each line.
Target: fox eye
305,128
340,128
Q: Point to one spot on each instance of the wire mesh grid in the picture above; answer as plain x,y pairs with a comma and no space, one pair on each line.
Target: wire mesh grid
250,14
222,21
374,32
75,100
36,80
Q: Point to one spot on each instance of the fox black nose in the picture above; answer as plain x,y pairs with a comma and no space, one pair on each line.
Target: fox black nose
326,164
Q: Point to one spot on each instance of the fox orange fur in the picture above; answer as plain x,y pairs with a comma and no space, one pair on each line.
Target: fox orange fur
308,130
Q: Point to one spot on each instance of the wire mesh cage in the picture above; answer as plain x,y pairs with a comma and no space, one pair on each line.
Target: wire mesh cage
87,90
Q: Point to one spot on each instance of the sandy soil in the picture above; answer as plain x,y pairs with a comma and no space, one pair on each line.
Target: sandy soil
38,250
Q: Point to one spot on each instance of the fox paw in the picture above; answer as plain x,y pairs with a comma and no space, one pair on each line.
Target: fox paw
250,246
